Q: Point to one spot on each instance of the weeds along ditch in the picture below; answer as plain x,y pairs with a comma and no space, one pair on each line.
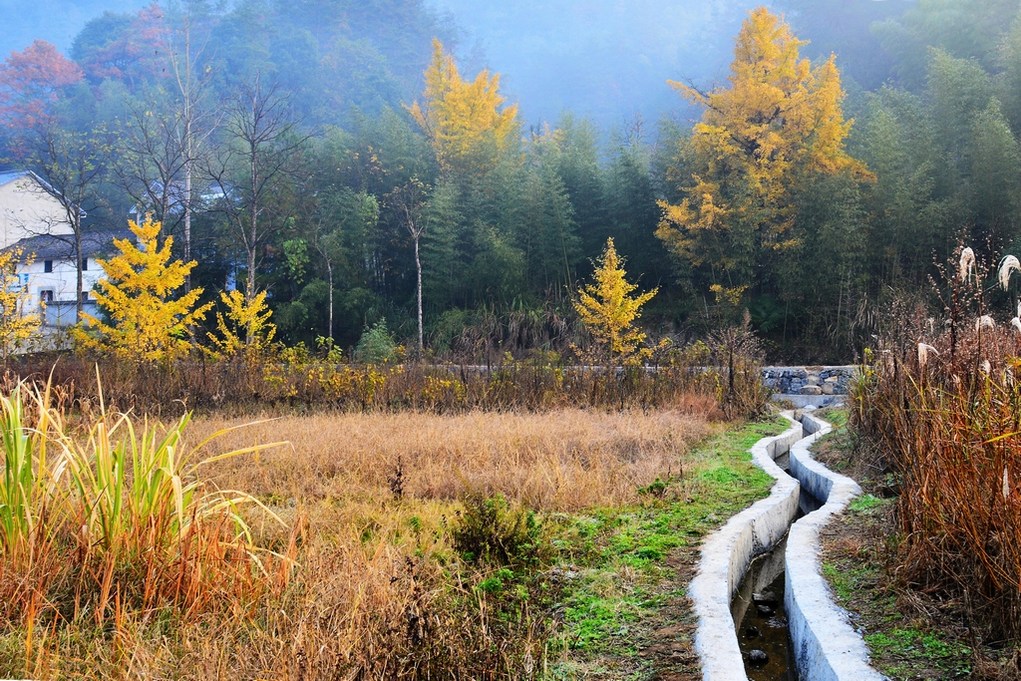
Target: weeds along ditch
941,398
376,542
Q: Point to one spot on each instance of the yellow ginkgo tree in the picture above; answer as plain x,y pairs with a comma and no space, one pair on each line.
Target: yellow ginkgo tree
779,121
465,121
245,328
146,320
608,310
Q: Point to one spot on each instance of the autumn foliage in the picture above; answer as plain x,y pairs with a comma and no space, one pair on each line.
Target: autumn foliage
30,84
609,311
779,120
148,322
244,327
17,327
465,121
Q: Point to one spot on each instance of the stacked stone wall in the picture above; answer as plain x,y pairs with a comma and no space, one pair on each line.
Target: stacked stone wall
809,380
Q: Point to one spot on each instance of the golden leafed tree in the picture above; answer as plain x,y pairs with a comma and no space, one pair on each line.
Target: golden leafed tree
778,121
148,322
609,311
245,328
16,326
466,122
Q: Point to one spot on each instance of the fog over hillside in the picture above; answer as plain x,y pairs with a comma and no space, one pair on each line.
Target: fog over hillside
608,60
57,21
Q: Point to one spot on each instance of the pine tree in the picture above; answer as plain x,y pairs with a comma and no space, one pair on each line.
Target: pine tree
609,311
147,322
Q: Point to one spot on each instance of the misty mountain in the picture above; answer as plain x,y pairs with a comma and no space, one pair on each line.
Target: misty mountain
608,60
57,21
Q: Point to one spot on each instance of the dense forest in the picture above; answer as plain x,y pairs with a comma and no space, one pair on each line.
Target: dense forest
316,151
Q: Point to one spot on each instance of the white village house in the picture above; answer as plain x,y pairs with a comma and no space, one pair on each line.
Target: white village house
32,219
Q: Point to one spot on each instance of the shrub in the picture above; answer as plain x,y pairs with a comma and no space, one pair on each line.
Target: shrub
490,530
376,346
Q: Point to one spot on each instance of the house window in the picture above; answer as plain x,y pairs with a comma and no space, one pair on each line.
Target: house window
85,296
46,296
47,265
85,264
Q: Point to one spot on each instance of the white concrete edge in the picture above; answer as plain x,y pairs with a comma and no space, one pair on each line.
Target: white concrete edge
727,553
825,645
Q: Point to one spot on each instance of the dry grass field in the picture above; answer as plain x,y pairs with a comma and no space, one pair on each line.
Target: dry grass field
562,460
395,545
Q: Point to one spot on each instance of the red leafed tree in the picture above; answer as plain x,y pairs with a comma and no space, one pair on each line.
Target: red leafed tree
134,54
30,84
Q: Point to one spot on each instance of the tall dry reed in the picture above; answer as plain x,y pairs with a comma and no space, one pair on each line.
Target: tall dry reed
104,521
942,397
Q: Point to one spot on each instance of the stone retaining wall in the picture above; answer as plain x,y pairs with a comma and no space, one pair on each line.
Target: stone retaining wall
809,380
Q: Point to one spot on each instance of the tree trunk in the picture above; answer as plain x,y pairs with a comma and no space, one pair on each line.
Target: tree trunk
254,210
187,198
418,272
79,283
329,298
187,151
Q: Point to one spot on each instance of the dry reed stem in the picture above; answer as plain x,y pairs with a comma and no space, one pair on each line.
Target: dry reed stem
951,422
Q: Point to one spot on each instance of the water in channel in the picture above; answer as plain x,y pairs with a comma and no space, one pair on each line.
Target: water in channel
759,614
761,620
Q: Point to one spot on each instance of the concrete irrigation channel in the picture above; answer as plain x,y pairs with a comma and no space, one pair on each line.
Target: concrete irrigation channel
783,544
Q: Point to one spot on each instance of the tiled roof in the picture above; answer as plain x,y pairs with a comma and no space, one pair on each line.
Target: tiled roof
49,247
11,175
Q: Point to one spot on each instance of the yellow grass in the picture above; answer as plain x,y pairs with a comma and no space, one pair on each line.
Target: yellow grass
378,591
555,461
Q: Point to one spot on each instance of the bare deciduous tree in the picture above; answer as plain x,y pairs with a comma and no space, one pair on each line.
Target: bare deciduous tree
260,144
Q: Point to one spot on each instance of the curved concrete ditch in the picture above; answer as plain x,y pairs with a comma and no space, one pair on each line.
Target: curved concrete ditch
824,645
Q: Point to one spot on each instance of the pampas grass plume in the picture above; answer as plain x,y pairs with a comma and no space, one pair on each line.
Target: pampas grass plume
967,263
923,353
1007,265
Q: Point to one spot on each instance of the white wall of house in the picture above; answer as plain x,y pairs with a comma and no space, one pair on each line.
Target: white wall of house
57,289
27,210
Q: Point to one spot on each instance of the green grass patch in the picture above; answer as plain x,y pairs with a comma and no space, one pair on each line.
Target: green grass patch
836,416
866,503
618,559
909,644
848,581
